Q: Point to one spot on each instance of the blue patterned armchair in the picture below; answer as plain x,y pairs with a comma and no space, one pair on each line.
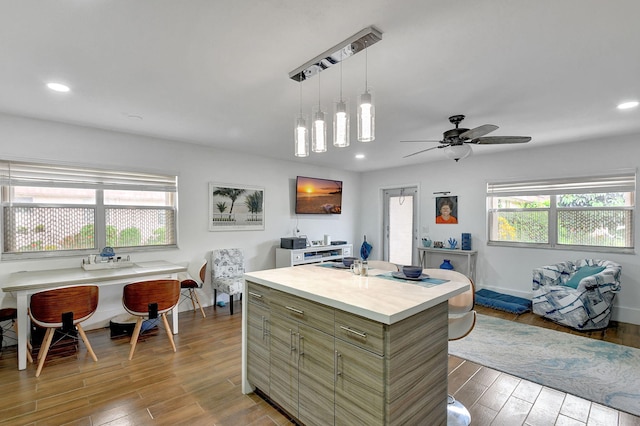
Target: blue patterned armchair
227,269
577,294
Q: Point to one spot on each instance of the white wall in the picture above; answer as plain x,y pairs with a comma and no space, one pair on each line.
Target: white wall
196,166
503,269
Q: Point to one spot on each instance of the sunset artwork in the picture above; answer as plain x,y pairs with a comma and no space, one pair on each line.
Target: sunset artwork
318,196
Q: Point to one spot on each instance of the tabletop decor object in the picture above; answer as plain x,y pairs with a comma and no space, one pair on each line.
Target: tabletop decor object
446,264
412,271
452,243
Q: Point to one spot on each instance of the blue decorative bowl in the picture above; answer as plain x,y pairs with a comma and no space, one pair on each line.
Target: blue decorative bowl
412,271
348,261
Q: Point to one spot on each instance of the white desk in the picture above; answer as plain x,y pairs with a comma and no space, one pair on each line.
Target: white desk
426,252
24,284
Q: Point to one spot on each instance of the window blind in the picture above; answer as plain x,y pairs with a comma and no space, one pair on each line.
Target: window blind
623,182
14,173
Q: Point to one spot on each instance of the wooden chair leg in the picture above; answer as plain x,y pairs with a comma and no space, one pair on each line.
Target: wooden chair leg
134,337
168,330
86,342
191,294
46,343
195,295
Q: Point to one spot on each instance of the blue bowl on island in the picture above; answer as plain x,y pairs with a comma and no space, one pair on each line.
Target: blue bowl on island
348,261
412,271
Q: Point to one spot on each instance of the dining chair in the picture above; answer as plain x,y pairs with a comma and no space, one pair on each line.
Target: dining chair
150,299
9,322
462,319
191,281
227,269
63,308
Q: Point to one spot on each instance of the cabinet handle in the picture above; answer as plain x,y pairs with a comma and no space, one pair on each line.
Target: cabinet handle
259,296
300,342
291,347
297,311
336,372
357,333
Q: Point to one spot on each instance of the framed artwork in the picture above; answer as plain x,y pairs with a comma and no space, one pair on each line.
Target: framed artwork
235,207
447,210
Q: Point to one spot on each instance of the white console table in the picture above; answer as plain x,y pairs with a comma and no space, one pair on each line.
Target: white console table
313,254
426,254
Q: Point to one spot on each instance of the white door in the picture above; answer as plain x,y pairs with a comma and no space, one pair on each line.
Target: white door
400,225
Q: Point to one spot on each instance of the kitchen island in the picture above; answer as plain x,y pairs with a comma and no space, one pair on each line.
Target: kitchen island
330,347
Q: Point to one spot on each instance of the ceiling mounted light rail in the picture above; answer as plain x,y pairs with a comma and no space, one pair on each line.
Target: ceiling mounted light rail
341,51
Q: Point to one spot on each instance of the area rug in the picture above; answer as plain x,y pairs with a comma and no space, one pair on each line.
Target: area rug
602,372
503,302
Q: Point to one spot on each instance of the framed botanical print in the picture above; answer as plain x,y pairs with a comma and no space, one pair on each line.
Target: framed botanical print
235,207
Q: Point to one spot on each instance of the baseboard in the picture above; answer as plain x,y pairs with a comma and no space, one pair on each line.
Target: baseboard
620,313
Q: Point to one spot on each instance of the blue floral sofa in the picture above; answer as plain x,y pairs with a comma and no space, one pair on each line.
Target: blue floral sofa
577,294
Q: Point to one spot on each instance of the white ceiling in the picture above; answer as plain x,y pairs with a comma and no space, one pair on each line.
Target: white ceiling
215,72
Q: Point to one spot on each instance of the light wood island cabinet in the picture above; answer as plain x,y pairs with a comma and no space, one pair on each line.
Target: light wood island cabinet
334,360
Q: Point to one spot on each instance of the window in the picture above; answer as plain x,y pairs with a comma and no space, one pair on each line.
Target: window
53,210
590,213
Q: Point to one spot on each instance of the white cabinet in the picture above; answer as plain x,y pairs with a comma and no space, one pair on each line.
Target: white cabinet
315,254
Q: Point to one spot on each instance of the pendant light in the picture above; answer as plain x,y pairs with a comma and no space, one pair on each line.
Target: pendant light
366,109
301,133
341,119
319,127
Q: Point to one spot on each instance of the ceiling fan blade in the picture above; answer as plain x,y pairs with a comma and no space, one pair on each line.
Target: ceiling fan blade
425,150
422,140
500,140
478,131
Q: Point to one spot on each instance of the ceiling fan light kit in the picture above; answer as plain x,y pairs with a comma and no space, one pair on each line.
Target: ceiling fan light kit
458,152
341,123
455,141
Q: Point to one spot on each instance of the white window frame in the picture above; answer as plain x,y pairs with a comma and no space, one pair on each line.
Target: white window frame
622,181
32,174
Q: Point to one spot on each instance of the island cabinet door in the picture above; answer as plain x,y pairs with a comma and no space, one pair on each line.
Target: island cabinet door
316,373
359,387
285,343
258,347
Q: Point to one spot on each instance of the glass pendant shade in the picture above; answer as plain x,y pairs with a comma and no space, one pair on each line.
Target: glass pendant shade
319,132
341,124
366,118
457,152
301,136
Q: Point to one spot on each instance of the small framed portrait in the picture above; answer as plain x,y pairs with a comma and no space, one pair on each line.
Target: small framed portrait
447,210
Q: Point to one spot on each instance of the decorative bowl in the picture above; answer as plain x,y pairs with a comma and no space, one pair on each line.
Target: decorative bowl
426,243
412,271
348,261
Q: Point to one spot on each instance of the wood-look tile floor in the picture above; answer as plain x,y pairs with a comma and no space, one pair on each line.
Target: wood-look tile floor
200,383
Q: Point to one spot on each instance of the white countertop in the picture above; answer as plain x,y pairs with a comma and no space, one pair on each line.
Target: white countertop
380,299
30,280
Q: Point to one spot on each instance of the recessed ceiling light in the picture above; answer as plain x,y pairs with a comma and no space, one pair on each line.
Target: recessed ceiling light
58,87
359,156
628,105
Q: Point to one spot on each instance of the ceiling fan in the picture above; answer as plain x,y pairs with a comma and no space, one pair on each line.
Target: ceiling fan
454,141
